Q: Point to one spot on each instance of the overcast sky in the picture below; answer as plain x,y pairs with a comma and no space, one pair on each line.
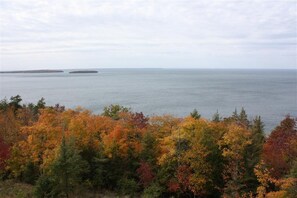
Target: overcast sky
37,34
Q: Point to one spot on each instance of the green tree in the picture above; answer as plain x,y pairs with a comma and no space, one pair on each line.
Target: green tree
153,191
45,187
149,148
15,102
216,117
66,170
195,114
40,105
235,115
292,189
253,154
127,186
114,111
3,104
243,118
258,137
30,173
95,161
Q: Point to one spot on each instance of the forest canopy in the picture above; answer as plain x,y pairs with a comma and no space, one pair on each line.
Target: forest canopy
67,152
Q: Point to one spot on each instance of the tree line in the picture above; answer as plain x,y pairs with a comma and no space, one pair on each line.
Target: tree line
64,152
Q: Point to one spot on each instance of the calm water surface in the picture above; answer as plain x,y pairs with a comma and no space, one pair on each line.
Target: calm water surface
269,93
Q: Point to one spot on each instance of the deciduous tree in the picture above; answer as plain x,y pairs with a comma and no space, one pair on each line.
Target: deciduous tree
280,150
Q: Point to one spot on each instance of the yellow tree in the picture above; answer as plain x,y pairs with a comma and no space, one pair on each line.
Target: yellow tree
233,145
162,128
192,148
199,151
88,129
122,138
39,142
9,126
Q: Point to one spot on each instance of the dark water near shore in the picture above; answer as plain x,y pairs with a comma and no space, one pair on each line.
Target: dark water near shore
269,93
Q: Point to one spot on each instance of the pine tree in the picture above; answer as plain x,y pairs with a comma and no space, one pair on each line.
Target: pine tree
243,118
258,132
15,102
150,149
253,153
292,189
216,117
195,114
235,115
67,168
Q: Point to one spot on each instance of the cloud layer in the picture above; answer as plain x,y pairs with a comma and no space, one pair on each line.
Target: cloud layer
148,33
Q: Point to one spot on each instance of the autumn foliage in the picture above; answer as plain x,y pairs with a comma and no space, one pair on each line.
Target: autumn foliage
280,149
64,151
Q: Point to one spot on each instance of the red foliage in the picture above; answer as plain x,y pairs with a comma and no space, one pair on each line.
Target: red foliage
139,120
4,153
183,176
278,152
173,186
145,173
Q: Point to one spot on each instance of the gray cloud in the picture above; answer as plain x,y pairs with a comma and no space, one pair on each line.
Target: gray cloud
174,29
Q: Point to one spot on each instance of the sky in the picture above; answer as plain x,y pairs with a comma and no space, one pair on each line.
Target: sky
64,34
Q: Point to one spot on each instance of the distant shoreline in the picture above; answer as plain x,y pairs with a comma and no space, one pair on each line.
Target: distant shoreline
83,72
47,71
94,70
32,71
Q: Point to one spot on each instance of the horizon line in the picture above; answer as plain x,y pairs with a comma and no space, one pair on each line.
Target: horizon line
178,68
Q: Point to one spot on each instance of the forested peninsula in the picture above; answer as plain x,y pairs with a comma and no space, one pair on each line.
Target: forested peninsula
52,151
83,72
32,71
47,71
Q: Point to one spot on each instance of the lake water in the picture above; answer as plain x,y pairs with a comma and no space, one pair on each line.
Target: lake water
269,93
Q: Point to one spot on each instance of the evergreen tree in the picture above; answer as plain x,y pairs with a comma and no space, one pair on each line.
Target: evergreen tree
45,186
216,117
195,114
4,104
40,105
243,118
30,173
150,149
15,102
65,172
253,153
235,114
258,132
96,161
292,189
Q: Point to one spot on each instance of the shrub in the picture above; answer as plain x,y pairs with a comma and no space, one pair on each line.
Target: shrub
154,190
127,186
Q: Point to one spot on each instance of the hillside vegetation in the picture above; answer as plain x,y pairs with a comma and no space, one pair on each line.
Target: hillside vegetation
50,151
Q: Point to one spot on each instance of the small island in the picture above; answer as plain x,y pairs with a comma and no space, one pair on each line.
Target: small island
83,72
32,71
